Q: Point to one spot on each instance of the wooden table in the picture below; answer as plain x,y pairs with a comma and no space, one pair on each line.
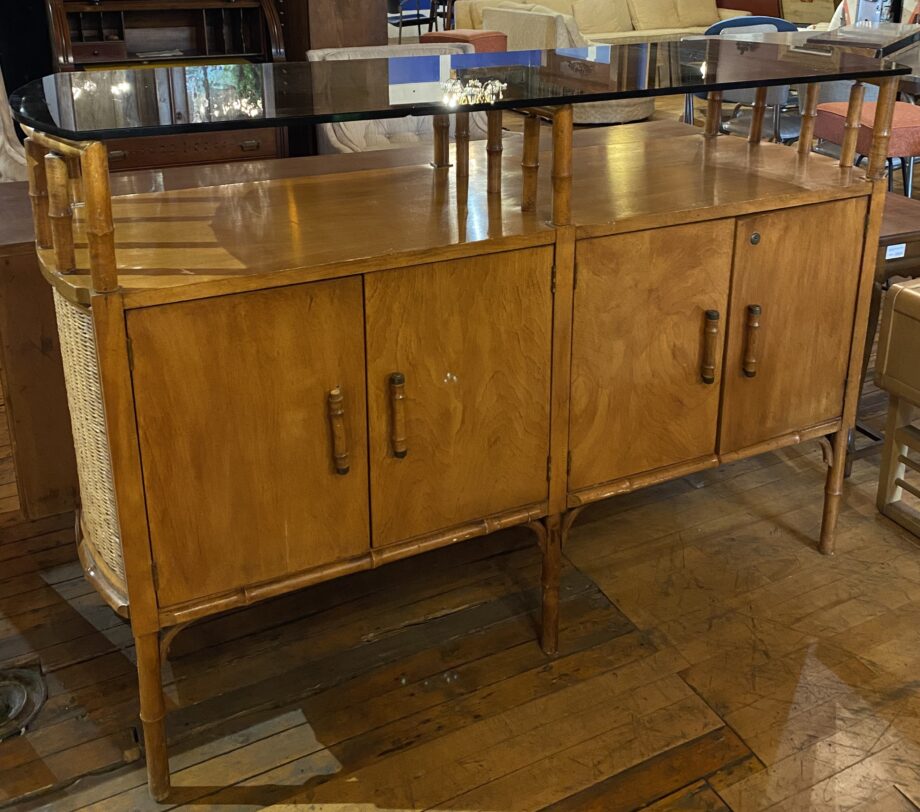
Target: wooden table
286,380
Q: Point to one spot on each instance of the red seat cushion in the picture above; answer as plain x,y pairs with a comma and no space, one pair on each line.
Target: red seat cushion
483,41
905,127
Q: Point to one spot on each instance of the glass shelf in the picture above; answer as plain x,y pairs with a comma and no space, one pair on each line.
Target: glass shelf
96,105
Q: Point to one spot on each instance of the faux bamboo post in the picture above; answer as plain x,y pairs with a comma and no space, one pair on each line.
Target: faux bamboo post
494,151
884,111
61,212
552,570
441,141
530,162
760,108
713,114
462,138
562,165
153,714
851,127
38,191
809,116
76,179
100,231
833,492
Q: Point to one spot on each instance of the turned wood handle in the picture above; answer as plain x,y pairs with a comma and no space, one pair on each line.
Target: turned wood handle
336,404
751,341
710,344
398,414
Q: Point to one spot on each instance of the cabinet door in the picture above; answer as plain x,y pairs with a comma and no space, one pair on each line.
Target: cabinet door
801,268
471,339
236,437
639,399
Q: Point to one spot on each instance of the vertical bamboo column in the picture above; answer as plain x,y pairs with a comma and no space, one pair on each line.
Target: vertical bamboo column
851,126
562,165
757,116
462,138
153,714
552,570
494,151
809,116
38,191
441,141
530,162
100,230
713,114
60,211
884,111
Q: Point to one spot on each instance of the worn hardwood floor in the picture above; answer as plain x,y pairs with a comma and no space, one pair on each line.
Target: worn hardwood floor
711,660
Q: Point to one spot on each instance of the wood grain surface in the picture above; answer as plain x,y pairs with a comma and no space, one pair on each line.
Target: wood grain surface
231,403
803,272
638,398
472,338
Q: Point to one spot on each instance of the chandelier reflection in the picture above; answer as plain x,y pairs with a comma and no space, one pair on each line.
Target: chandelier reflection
458,94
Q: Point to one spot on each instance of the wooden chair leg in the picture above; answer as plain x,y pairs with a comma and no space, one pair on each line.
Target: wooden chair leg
833,490
892,468
153,714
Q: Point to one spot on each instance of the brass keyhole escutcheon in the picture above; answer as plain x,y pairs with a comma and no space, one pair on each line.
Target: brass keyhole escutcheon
755,238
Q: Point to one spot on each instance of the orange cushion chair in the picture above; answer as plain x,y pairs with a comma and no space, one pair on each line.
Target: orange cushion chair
905,133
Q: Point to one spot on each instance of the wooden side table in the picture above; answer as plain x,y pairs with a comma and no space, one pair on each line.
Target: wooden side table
898,372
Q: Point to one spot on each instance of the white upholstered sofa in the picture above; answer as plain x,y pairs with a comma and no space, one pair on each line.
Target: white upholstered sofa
611,21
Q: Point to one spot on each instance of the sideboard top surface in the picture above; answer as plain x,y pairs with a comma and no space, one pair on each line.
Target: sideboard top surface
95,105
192,242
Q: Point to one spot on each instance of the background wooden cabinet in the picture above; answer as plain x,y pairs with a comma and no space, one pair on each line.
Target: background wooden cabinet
249,430
800,266
473,339
638,399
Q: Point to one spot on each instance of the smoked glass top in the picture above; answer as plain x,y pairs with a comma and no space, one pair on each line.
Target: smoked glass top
157,100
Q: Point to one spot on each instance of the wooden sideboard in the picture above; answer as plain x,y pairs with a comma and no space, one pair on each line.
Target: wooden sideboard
297,378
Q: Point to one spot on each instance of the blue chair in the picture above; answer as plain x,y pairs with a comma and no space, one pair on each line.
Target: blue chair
784,129
401,13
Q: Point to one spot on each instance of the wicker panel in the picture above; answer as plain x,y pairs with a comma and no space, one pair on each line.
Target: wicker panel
87,415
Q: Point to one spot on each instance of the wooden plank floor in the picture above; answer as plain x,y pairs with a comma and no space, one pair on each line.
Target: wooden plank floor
711,660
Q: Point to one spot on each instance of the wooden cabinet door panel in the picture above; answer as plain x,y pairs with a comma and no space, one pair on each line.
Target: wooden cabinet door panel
236,446
472,338
801,267
639,401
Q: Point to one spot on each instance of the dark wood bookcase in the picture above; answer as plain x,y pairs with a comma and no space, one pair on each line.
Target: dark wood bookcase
131,33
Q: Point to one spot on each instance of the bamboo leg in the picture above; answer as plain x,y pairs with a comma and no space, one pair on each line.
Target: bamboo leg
462,137
757,116
153,714
833,490
60,212
809,116
494,151
530,163
713,114
884,110
38,192
851,127
552,569
562,165
441,141
100,230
